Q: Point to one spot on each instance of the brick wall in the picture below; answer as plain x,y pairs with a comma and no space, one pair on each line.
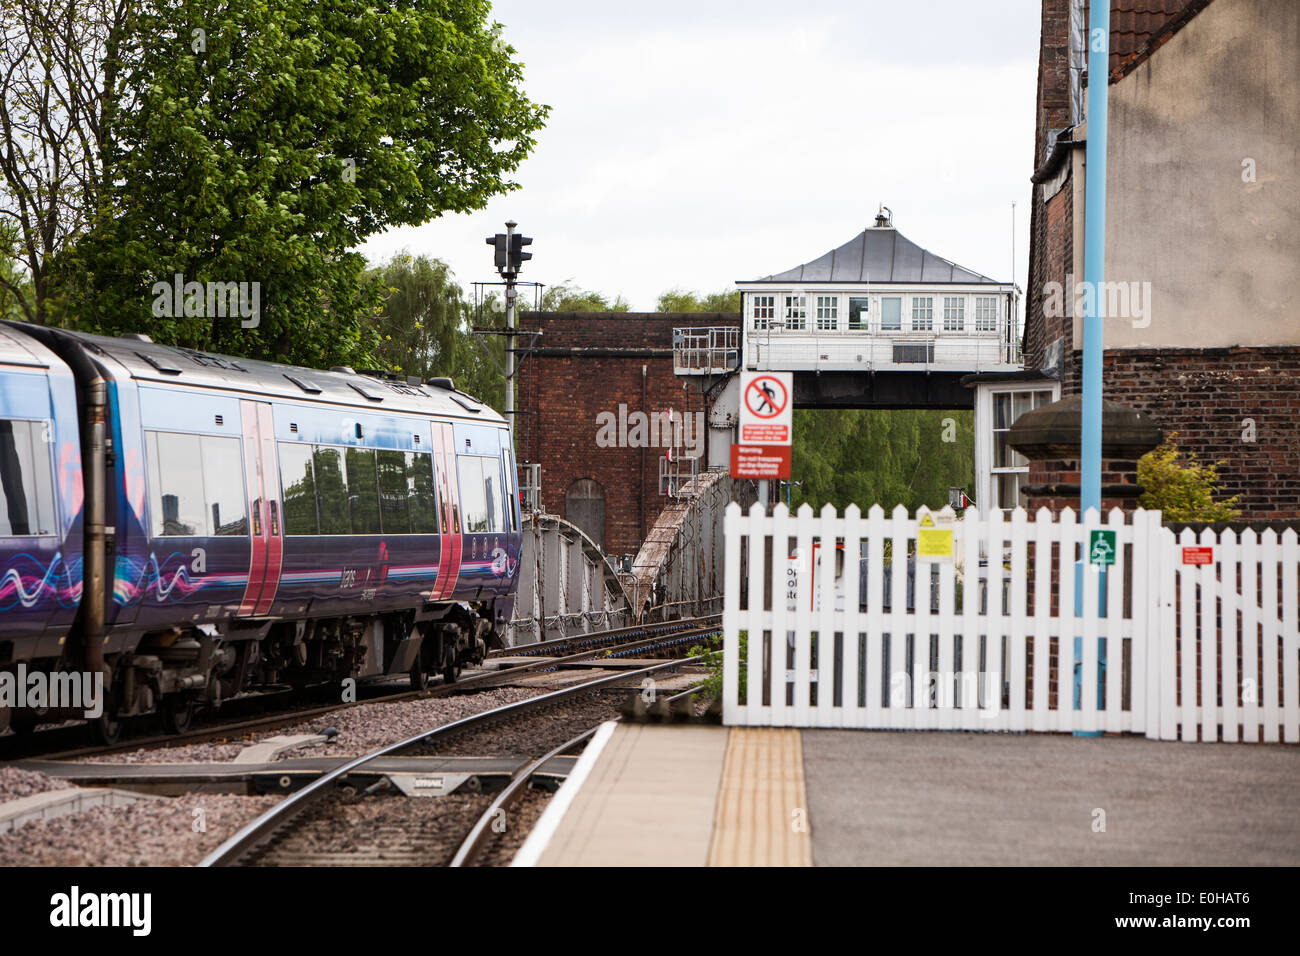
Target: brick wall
1052,112
1205,395
588,363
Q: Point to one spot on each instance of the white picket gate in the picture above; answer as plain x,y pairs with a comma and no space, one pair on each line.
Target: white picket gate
1151,637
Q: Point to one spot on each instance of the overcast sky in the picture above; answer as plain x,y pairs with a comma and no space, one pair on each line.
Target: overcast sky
692,143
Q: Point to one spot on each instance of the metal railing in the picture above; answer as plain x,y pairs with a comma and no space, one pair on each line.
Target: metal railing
530,486
675,473
706,351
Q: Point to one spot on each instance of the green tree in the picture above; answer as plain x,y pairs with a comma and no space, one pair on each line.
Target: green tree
874,456
1182,490
16,298
568,296
423,328
680,300
59,62
262,140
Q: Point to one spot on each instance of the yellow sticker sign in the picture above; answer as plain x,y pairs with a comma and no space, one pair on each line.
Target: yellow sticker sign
933,544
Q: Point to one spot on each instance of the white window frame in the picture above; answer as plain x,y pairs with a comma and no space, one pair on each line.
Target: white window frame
922,314
986,495
986,313
796,311
886,298
954,313
864,317
763,310
828,313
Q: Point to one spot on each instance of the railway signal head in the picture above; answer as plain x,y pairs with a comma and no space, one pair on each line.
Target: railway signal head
517,255
499,242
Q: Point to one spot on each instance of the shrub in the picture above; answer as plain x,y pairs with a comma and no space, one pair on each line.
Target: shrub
1182,490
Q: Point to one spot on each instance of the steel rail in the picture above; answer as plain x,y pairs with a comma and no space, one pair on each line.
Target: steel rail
590,637
507,674
252,835
472,846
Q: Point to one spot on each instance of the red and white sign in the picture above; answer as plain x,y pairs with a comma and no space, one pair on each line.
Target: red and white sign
760,461
766,408
1198,555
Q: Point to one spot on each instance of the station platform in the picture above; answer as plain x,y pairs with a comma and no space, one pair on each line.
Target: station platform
688,795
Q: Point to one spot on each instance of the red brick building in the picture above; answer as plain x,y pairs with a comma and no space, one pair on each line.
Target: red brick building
586,365
1203,193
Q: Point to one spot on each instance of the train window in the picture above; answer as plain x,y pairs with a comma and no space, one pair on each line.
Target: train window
511,491
424,517
223,485
356,491
331,491
196,485
480,493
394,492
176,481
298,484
26,482
363,491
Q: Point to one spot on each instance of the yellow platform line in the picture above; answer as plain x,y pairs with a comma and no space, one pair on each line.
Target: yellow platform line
762,810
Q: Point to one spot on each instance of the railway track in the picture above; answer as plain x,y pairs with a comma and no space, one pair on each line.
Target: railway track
328,823
616,643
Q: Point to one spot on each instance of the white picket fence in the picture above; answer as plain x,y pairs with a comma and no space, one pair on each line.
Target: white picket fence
1171,650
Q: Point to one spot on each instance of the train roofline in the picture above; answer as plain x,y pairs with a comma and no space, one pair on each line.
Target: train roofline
148,361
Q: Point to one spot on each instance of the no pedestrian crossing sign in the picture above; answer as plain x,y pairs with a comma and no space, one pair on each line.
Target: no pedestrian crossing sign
766,408
766,426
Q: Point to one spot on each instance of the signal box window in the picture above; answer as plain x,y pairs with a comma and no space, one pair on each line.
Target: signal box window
858,313
891,312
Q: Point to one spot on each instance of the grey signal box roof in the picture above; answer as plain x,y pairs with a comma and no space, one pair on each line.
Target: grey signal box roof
880,254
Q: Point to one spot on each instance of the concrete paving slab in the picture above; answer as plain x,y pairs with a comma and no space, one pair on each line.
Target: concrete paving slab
650,800
944,799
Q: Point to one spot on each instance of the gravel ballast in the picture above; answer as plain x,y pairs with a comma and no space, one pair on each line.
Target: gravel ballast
149,833
360,729
16,783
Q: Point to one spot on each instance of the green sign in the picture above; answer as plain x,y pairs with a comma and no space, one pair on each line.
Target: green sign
1101,548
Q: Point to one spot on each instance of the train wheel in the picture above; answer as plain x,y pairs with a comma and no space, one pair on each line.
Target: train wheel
419,679
450,673
178,715
106,730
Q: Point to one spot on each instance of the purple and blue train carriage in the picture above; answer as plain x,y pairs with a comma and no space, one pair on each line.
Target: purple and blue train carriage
192,525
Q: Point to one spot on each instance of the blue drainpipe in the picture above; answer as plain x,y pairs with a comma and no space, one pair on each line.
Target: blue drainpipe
1094,270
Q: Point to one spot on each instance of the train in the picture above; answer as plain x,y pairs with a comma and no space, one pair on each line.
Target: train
191,526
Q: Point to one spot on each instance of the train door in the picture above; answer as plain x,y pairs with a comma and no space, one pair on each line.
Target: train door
262,480
449,524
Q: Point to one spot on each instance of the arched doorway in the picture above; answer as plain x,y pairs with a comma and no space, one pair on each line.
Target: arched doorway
584,505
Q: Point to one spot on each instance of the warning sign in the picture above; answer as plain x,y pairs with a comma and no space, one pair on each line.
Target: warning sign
933,543
1198,555
766,408
760,461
